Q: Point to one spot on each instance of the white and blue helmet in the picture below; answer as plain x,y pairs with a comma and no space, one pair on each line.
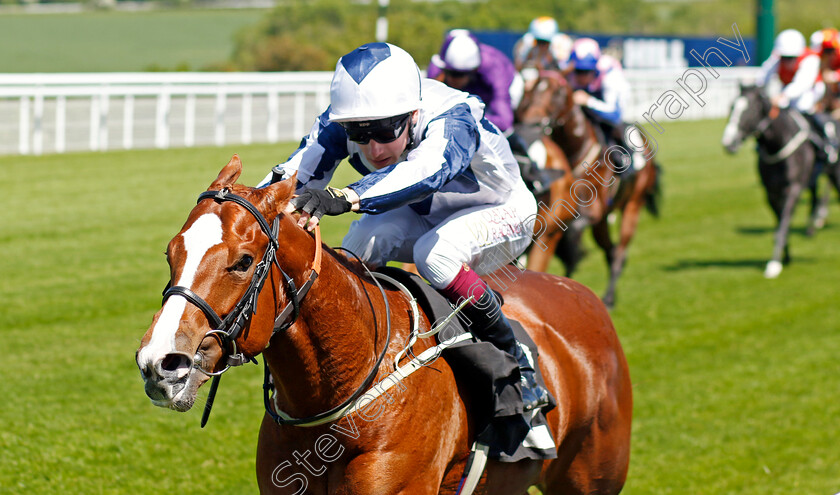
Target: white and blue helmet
585,54
543,28
374,81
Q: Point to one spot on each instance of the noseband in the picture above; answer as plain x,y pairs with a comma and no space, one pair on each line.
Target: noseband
227,330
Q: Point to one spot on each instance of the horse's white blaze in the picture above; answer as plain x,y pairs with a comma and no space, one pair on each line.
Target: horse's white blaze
204,233
731,130
538,153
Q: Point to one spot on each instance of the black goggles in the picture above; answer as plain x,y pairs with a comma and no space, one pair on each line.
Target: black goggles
457,73
382,131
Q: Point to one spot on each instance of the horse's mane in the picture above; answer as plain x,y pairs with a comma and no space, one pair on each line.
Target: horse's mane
341,257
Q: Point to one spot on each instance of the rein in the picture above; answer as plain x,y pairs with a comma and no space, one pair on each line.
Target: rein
227,330
339,411
792,145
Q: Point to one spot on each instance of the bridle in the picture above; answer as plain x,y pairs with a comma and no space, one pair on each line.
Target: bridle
552,118
228,329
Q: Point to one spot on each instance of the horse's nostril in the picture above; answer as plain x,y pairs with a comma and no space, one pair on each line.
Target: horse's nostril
172,362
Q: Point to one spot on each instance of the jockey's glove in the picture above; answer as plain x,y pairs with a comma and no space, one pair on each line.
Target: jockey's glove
320,202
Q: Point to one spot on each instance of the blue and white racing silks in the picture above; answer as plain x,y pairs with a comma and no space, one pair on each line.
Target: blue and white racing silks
457,159
609,91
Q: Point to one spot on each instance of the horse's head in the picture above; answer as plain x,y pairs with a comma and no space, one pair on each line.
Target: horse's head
547,99
214,261
748,111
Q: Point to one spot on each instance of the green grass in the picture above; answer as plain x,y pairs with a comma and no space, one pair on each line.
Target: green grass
118,41
735,377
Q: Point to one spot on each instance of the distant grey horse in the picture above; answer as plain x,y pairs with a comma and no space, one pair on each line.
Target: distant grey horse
785,159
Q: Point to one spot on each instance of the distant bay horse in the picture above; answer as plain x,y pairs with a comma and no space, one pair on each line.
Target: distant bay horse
246,280
593,190
785,160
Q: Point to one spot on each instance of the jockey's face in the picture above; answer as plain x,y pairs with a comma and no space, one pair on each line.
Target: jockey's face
788,61
457,79
584,77
381,155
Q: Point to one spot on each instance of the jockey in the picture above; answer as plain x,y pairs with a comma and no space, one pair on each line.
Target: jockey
798,70
440,186
479,69
543,47
601,89
829,51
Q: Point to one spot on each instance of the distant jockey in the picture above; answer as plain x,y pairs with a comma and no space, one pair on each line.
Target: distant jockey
797,68
465,63
828,47
479,69
543,47
602,90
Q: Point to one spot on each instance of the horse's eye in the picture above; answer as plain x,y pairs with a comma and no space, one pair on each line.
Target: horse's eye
243,264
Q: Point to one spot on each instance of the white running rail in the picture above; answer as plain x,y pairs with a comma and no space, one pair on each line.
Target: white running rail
58,113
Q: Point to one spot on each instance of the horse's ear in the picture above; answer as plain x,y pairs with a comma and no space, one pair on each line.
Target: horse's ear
228,175
281,192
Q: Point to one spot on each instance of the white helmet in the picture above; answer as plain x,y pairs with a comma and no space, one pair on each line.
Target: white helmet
789,43
459,52
816,40
561,47
374,81
543,28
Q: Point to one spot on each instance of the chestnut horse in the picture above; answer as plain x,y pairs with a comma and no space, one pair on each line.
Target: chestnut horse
593,190
332,342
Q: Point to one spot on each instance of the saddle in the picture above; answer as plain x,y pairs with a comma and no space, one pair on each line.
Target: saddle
490,378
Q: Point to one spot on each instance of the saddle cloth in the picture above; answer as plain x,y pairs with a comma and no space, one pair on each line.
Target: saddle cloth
491,379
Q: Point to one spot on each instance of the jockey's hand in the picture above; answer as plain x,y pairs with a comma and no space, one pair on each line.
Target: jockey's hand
581,98
315,203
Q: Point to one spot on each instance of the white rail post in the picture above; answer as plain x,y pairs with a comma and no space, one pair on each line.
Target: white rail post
221,106
60,124
38,125
103,121
128,122
93,140
162,120
189,121
23,121
298,125
273,124
246,118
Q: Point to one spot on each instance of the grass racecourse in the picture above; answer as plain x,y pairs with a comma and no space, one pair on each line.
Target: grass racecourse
120,41
735,377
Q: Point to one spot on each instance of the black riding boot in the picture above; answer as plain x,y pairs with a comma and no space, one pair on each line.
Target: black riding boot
488,323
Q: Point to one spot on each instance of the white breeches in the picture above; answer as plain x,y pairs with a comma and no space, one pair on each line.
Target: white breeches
485,237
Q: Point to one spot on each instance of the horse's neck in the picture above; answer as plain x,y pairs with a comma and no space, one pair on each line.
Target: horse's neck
333,345
780,131
576,136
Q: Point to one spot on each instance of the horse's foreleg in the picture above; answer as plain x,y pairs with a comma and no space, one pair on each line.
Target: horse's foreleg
601,234
774,266
629,221
819,208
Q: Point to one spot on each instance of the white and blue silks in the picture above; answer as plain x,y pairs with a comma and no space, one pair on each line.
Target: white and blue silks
455,197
